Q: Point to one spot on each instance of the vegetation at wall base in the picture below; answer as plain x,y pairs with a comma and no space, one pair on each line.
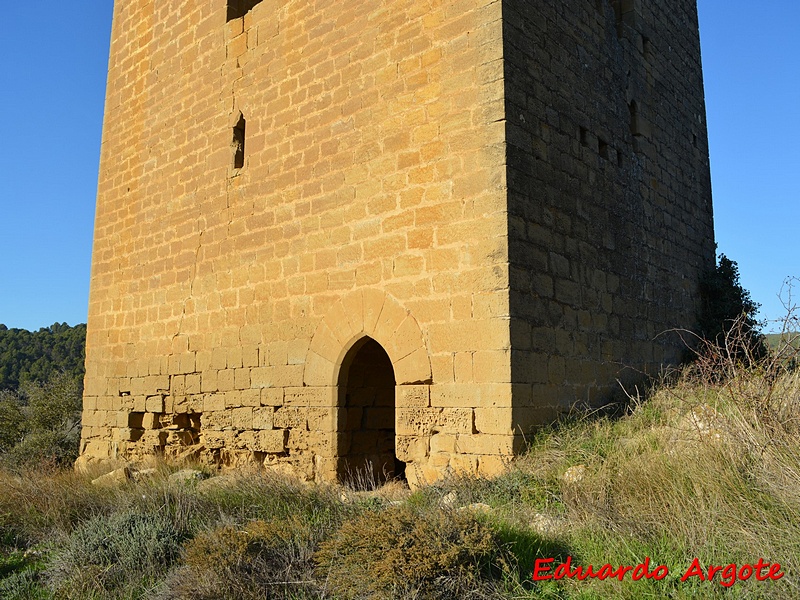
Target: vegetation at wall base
706,468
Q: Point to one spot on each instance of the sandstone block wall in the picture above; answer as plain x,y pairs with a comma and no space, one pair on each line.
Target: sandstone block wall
370,201
609,194
336,232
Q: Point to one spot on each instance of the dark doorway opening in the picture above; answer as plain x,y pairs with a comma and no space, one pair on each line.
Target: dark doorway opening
366,441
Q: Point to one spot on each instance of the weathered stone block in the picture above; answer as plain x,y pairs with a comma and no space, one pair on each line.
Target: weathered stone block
442,442
217,439
151,420
455,420
263,417
217,420
408,396
494,420
271,397
225,380
192,384
154,404
242,418
290,417
416,421
213,402
322,419
272,441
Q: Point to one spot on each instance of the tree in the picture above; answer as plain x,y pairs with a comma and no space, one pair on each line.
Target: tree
40,422
728,318
38,356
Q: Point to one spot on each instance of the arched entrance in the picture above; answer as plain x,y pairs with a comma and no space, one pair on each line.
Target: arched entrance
366,440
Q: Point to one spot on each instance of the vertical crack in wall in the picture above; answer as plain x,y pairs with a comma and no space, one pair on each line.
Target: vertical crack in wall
192,278
228,192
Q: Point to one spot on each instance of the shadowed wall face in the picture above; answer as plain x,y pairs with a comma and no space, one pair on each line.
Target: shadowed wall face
609,194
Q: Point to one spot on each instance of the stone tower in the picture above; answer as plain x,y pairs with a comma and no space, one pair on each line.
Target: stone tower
397,233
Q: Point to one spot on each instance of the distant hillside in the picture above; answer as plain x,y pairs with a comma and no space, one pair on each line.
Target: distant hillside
37,355
774,339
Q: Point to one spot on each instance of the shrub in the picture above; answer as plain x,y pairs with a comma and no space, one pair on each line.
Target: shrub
115,555
43,448
237,563
251,496
54,404
12,421
403,552
40,423
697,470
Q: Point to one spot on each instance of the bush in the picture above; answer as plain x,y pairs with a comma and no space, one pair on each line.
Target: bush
12,422
57,448
267,496
117,555
706,470
402,552
237,563
40,423
54,404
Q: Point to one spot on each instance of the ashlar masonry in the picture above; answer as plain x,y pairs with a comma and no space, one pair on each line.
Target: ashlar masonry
392,235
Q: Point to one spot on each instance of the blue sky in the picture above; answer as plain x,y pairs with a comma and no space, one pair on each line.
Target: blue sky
751,62
52,73
53,61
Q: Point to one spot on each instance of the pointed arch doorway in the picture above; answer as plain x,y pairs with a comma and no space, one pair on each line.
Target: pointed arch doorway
366,439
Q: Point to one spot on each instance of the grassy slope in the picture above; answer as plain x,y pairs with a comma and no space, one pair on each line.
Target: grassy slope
699,470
